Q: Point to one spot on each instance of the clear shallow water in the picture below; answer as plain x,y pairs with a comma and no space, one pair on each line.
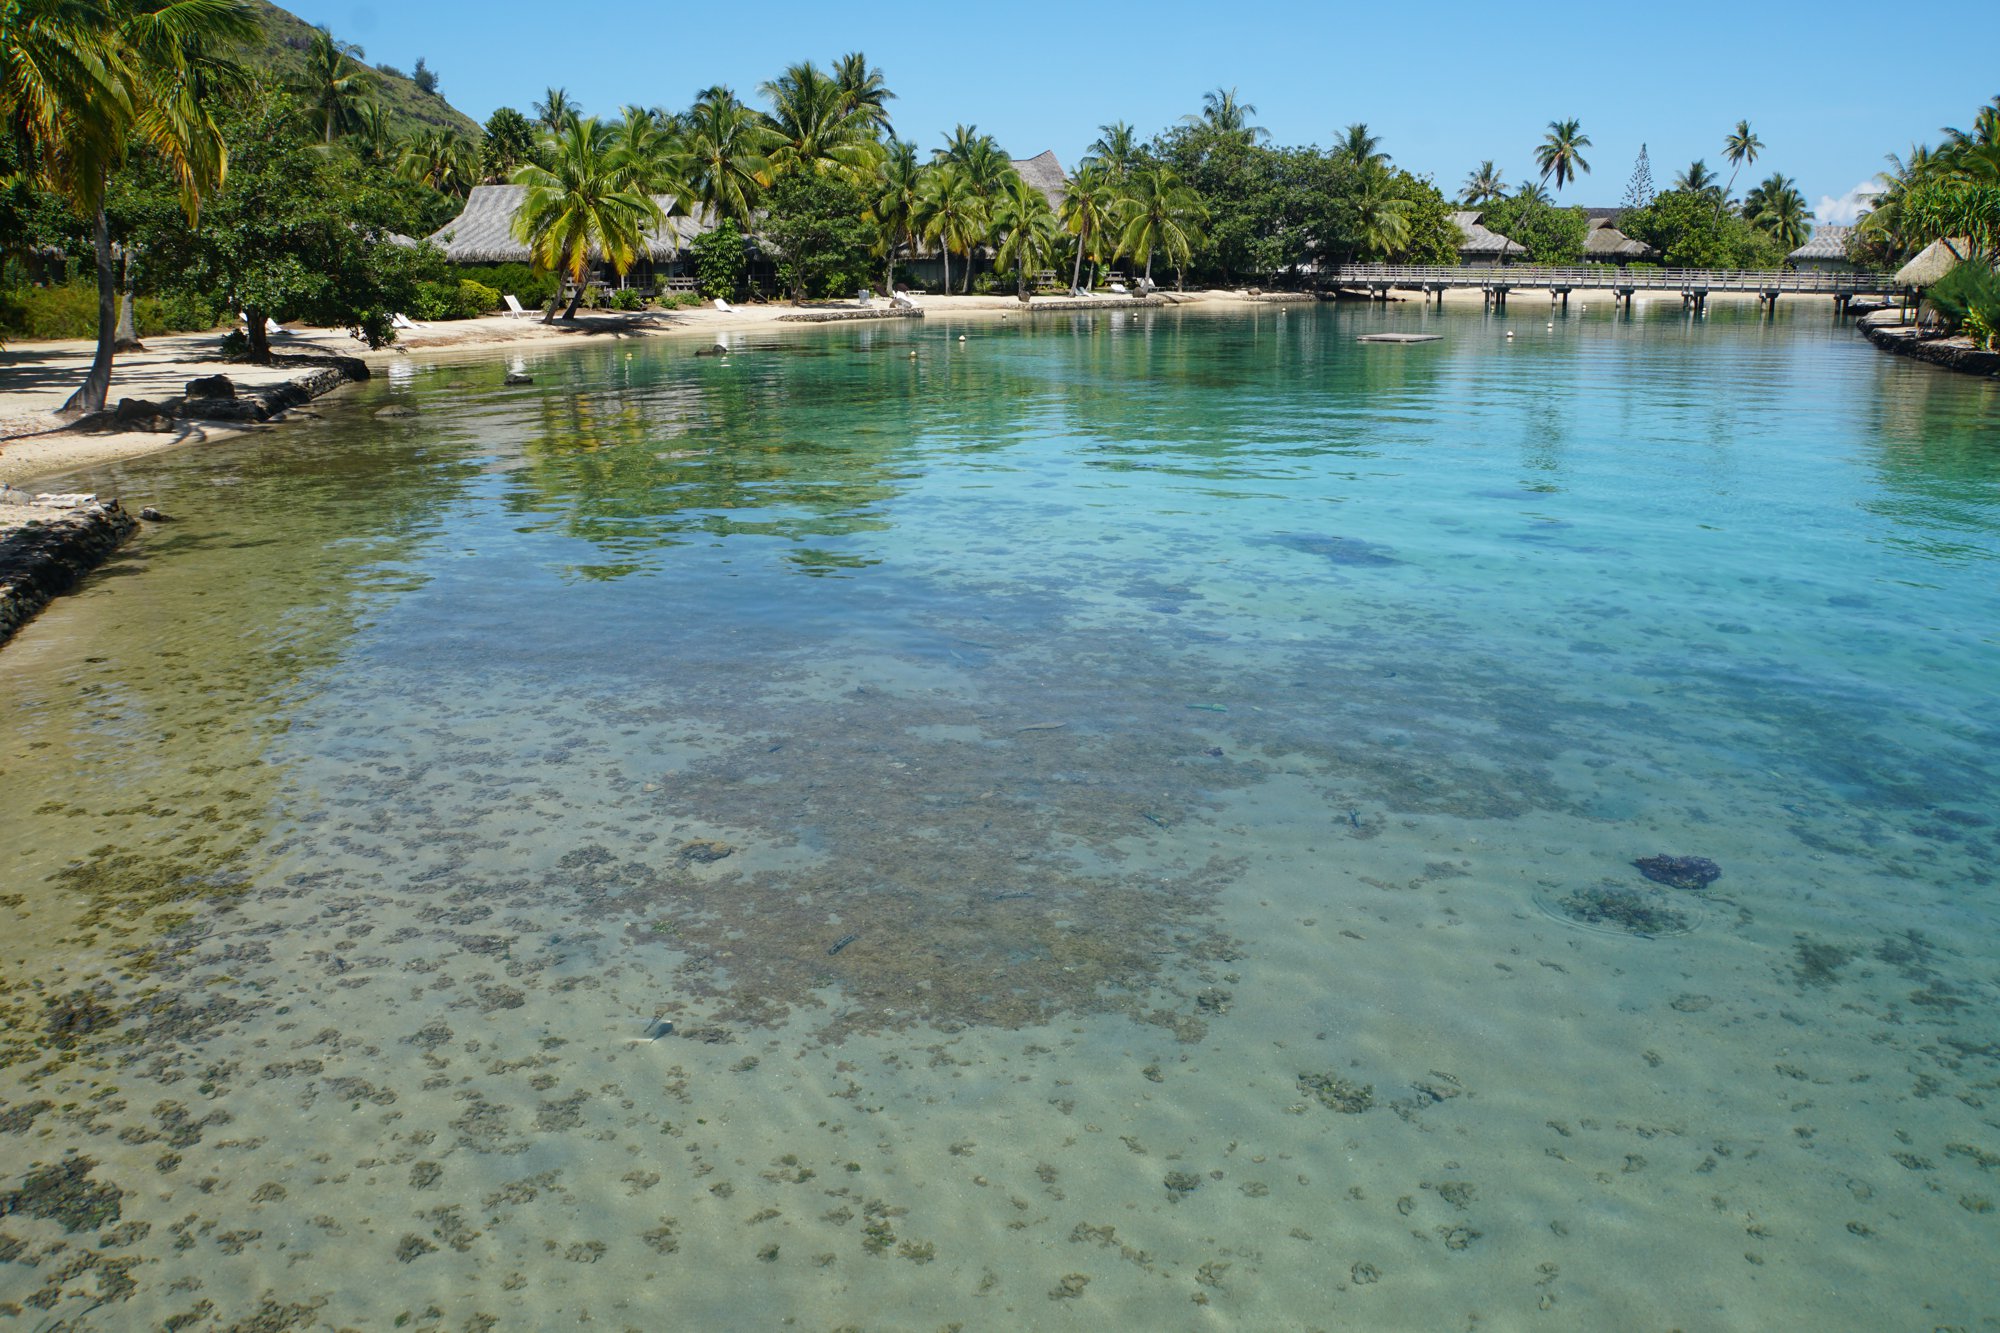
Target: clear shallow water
1130,821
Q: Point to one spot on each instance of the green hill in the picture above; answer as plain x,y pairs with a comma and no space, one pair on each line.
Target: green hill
281,54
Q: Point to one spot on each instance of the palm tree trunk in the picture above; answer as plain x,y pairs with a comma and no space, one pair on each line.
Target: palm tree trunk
945,250
97,384
128,327
967,290
260,335
1076,270
575,300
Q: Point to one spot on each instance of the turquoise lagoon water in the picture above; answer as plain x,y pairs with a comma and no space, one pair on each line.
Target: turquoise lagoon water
1130,821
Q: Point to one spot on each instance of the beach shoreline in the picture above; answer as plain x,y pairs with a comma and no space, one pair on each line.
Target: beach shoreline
35,378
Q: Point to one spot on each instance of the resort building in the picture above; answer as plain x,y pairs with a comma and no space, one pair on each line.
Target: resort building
1603,243
1826,252
483,233
1479,246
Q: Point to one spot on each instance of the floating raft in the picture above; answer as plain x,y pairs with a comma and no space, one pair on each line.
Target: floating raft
1399,337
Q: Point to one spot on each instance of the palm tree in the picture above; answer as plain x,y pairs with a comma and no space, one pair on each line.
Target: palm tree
1116,149
441,159
863,91
895,205
1741,146
81,79
648,152
1361,148
1223,113
334,84
1560,154
1777,207
1089,209
953,213
555,112
812,128
978,155
374,136
1381,215
1697,179
1484,185
579,204
1028,231
724,144
1159,213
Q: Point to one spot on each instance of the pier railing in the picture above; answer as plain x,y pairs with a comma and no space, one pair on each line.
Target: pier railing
1606,277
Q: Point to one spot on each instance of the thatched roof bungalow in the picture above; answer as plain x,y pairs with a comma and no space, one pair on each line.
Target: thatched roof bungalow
1933,262
1603,243
1046,174
1478,245
483,232
1826,252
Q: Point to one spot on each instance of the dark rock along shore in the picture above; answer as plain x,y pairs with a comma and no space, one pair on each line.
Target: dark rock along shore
47,545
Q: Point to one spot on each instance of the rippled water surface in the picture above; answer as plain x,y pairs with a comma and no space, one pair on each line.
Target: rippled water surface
1124,823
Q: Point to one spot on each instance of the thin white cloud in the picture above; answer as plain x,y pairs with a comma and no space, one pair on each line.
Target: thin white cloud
1844,210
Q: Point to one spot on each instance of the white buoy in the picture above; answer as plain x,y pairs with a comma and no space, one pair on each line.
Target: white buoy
961,337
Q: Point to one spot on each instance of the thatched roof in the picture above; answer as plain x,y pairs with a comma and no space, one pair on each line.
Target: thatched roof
1045,173
1933,262
1477,240
1606,243
1602,217
1828,242
483,232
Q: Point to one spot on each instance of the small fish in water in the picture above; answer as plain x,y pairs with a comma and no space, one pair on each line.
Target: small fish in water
658,1028
1154,818
1208,708
842,943
1354,818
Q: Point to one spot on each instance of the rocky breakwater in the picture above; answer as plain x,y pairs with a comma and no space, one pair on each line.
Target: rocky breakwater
47,544
1886,330
217,398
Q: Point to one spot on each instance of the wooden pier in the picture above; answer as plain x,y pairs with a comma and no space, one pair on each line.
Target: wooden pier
1693,285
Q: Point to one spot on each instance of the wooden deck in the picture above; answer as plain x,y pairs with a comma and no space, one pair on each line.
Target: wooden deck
1693,285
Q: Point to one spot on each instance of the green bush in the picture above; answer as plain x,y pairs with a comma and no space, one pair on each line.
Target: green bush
461,299
1968,298
477,297
678,300
69,310
719,262
627,298
517,280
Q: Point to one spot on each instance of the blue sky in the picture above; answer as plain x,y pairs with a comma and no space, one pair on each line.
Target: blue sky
1829,88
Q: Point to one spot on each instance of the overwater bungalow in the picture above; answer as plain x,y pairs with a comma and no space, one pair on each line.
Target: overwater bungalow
1480,246
1826,252
483,233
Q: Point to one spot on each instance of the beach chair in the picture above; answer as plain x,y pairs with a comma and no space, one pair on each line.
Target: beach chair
1119,289
270,325
403,321
901,301
724,306
514,306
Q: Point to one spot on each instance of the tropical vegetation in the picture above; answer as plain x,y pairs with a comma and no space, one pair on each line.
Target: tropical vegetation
121,114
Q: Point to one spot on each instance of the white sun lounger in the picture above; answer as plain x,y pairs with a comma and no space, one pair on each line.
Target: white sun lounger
724,306
403,321
514,306
1120,289
901,301
270,325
